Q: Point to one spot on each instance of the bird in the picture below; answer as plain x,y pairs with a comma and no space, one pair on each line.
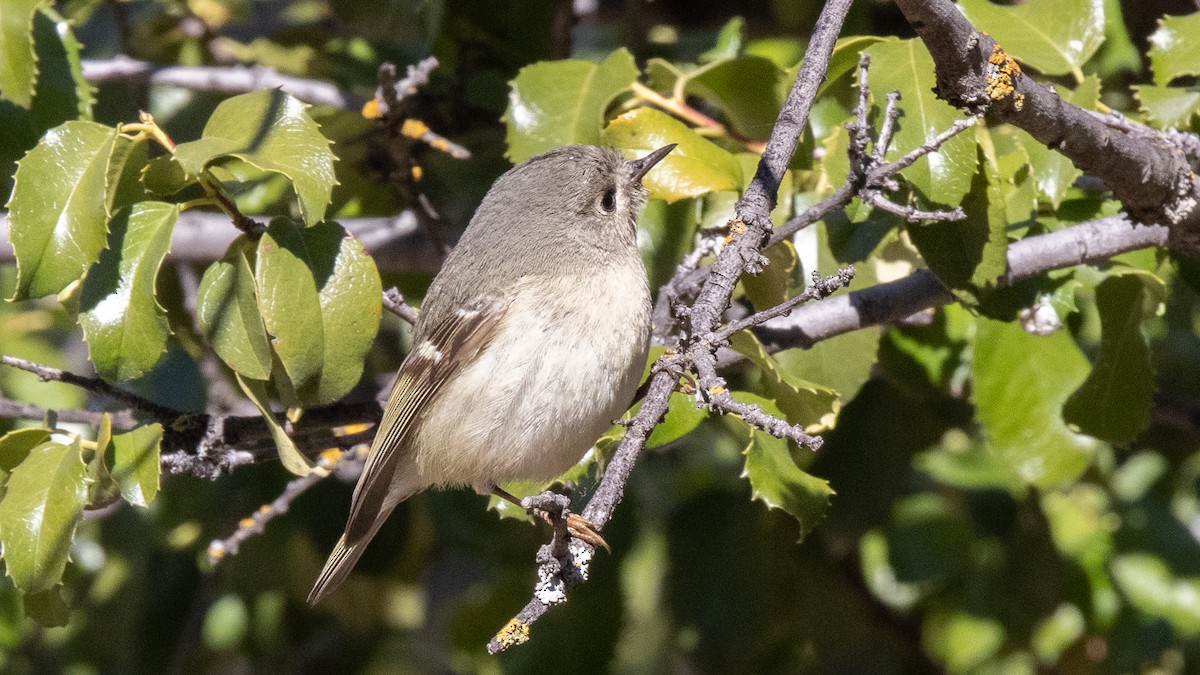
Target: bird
530,341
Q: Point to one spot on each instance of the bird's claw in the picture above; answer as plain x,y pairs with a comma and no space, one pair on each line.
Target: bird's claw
584,531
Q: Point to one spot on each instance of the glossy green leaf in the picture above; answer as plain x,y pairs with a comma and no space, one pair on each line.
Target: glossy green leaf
320,298
1021,382
558,103
1055,174
125,328
16,445
696,167
943,177
228,316
136,463
1055,36
1175,48
273,132
776,481
1114,402
41,507
18,69
1152,588
289,455
61,204
1168,107
60,79
810,405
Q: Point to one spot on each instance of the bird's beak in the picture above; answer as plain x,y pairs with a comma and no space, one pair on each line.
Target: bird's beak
642,166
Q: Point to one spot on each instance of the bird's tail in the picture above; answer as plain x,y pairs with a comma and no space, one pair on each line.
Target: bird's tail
341,561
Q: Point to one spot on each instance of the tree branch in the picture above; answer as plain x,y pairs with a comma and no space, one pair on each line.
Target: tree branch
1151,177
397,243
558,575
220,79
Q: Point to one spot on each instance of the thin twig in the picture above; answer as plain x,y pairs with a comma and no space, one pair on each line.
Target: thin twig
394,302
94,385
820,288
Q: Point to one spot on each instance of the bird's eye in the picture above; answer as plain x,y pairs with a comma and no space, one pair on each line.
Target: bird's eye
608,203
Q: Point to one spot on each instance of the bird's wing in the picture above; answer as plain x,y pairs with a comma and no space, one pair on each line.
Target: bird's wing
447,345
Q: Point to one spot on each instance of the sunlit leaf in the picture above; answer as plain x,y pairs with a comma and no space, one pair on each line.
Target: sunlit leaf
696,167
136,463
1021,382
227,311
16,445
776,481
18,69
61,204
124,325
1168,107
273,132
812,406
1055,36
41,507
320,298
1153,589
943,177
1175,49
558,103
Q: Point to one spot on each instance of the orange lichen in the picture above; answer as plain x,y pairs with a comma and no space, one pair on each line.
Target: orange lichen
1002,74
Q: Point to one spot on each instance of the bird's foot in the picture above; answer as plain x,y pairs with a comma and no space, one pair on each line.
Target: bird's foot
552,507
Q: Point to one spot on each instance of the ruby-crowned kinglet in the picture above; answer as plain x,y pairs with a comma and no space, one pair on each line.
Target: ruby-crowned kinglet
530,341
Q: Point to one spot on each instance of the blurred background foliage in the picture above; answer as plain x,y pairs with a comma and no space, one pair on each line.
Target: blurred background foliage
932,557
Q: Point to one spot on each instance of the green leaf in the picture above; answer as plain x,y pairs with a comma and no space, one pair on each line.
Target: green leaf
588,466
1154,590
61,203
960,462
319,294
943,177
683,416
102,487
771,286
136,463
1175,48
16,445
47,607
227,311
289,455
125,328
812,406
776,481
18,69
729,42
557,103
1055,36
60,80
970,254
271,131
1114,402
1168,107
696,167
724,83
1055,174
842,363
1020,383
164,176
43,504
